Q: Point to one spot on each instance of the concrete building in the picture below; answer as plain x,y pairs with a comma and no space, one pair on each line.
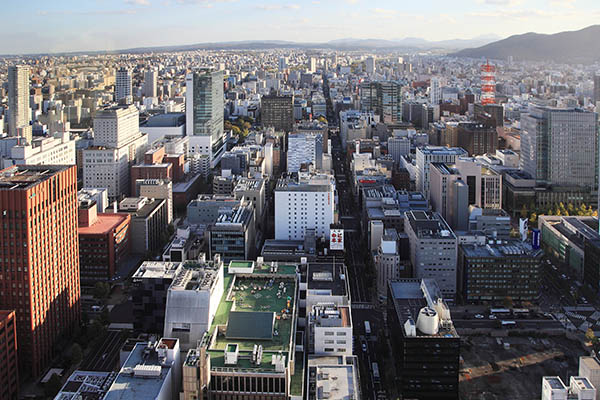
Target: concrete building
56,150
104,243
233,234
426,347
430,154
169,127
148,222
589,368
157,189
150,82
560,146
206,208
398,147
433,249
370,66
9,374
496,271
304,201
330,330
86,384
493,223
192,301
45,244
580,388
152,371
123,85
449,195
384,99
250,350
477,138
205,113
98,196
435,91
150,284
254,191
19,111
304,149
388,262
485,185
333,377
118,143
355,125
277,112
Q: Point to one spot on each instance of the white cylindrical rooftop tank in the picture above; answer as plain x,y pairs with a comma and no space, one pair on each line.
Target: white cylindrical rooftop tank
428,321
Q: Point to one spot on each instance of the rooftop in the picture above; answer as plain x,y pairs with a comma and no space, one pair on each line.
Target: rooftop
429,225
418,304
156,269
104,223
246,184
327,276
26,176
165,120
86,385
505,249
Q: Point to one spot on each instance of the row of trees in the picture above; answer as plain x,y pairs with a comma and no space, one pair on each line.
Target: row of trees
240,126
558,209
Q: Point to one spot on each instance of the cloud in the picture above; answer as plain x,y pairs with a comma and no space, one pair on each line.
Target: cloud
273,7
138,2
505,3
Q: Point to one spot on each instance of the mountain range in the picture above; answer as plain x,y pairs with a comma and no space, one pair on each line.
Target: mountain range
582,46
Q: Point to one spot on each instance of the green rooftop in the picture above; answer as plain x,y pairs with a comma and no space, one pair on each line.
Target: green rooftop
254,310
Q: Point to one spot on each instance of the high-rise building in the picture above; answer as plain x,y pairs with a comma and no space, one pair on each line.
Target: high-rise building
477,138
277,112
426,345
304,202
433,249
123,85
9,373
283,63
304,148
38,213
150,82
118,143
559,146
312,65
205,113
449,195
429,154
435,91
19,112
383,98
398,147
370,65
596,87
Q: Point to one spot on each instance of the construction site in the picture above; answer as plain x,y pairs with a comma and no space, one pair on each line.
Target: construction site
512,367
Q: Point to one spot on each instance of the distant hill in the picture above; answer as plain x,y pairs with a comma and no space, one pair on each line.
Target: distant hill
581,46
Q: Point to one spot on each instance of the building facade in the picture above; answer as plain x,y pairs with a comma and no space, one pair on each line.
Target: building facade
19,114
9,371
38,210
277,112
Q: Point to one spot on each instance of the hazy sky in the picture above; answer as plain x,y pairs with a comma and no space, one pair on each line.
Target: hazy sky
71,25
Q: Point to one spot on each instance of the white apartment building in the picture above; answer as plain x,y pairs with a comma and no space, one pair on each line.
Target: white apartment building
157,189
150,82
57,150
330,330
305,201
118,143
19,112
123,85
398,147
304,148
387,262
429,154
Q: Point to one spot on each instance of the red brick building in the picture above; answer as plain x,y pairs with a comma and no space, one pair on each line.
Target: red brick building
103,243
39,276
9,369
158,165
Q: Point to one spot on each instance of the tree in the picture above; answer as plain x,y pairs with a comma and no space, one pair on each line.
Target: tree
101,290
322,119
524,211
236,130
508,302
533,218
76,354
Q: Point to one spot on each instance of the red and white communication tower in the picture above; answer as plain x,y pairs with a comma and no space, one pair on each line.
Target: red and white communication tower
488,83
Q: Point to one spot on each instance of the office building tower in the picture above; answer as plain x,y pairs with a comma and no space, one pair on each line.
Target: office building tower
430,154
148,222
157,189
370,66
9,372
150,82
493,272
449,195
596,87
433,249
38,213
283,63
384,99
118,143
477,138
485,185
398,147
204,113
277,112
312,65
19,112
559,146
56,150
426,345
388,262
355,125
123,85
233,234
435,91
302,202
304,149
490,114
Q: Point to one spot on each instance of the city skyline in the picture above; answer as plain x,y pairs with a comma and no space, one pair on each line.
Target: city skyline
121,24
